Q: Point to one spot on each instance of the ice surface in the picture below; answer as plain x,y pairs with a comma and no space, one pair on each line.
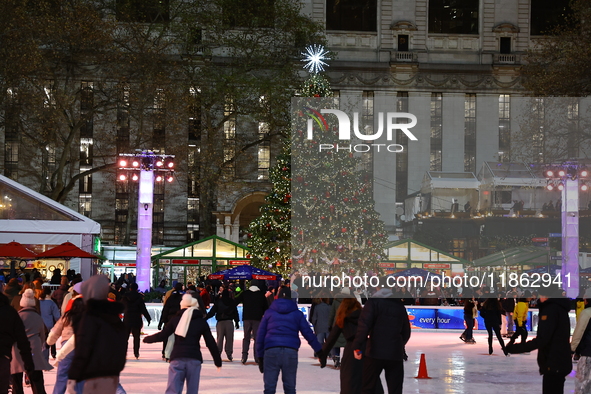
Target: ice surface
455,367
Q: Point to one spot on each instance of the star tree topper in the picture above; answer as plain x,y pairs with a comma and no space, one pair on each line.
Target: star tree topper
314,58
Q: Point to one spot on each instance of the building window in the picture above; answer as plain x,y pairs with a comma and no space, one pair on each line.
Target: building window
351,15
85,204
504,127
403,43
123,121
547,15
11,159
402,157
229,166
159,112
505,45
142,11
49,95
249,14
85,184
194,115
470,133
574,136
453,16
86,109
11,135
436,132
264,152
539,135
367,118
122,229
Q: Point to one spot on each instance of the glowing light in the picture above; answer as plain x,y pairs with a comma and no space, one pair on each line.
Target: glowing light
135,163
314,58
560,186
122,163
550,187
159,178
584,187
170,179
135,177
549,174
159,163
122,177
561,173
584,173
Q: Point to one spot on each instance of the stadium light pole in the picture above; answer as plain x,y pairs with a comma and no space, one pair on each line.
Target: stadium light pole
145,167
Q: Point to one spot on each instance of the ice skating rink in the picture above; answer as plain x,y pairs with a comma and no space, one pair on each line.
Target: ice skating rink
454,367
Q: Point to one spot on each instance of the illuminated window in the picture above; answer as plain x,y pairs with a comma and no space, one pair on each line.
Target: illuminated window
470,133
504,127
436,132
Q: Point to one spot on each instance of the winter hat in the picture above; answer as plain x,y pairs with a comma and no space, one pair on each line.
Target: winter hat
28,299
96,287
78,287
188,301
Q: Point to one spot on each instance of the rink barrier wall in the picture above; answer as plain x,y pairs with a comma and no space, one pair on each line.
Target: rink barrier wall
421,317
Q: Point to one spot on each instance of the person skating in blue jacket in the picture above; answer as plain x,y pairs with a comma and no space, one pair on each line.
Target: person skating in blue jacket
278,342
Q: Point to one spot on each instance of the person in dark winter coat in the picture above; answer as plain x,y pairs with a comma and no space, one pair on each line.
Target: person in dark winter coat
12,331
12,289
278,342
135,307
552,341
224,309
491,312
385,327
341,342
100,340
351,368
59,293
188,326
35,329
254,305
171,307
320,320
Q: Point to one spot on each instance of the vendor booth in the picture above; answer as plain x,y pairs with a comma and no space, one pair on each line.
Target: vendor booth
200,258
407,253
39,223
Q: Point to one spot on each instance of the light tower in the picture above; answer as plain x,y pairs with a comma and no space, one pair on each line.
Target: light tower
145,167
569,178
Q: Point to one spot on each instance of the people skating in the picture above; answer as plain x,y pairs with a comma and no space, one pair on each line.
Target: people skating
64,329
278,342
101,340
254,305
508,304
552,340
12,332
520,318
470,313
320,320
186,360
351,369
491,312
135,308
581,347
172,305
50,314
225,311
35,330
384,327
345,292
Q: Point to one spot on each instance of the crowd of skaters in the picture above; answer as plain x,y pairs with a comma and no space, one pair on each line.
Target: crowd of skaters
364,332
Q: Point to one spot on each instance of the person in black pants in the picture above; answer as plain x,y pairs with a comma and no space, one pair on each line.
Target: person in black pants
491,312
384,330
171,307
135,307
552,341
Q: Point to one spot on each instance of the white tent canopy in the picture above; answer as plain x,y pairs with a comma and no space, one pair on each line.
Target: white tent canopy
31,218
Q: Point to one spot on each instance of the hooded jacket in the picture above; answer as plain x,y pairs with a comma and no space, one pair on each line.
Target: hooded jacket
281,325
553,339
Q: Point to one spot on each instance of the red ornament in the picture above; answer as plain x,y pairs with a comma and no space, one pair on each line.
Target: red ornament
314,251
327,194
345,199
343,230
266,257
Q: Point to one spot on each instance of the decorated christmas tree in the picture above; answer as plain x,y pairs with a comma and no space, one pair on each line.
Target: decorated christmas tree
335,227
269,235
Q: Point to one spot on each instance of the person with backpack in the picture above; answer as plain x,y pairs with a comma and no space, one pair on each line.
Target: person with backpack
171,307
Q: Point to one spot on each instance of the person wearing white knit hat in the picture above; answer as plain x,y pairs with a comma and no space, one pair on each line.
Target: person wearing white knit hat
186,358
35,329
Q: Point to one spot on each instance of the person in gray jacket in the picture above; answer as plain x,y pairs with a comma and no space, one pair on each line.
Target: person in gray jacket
320,320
